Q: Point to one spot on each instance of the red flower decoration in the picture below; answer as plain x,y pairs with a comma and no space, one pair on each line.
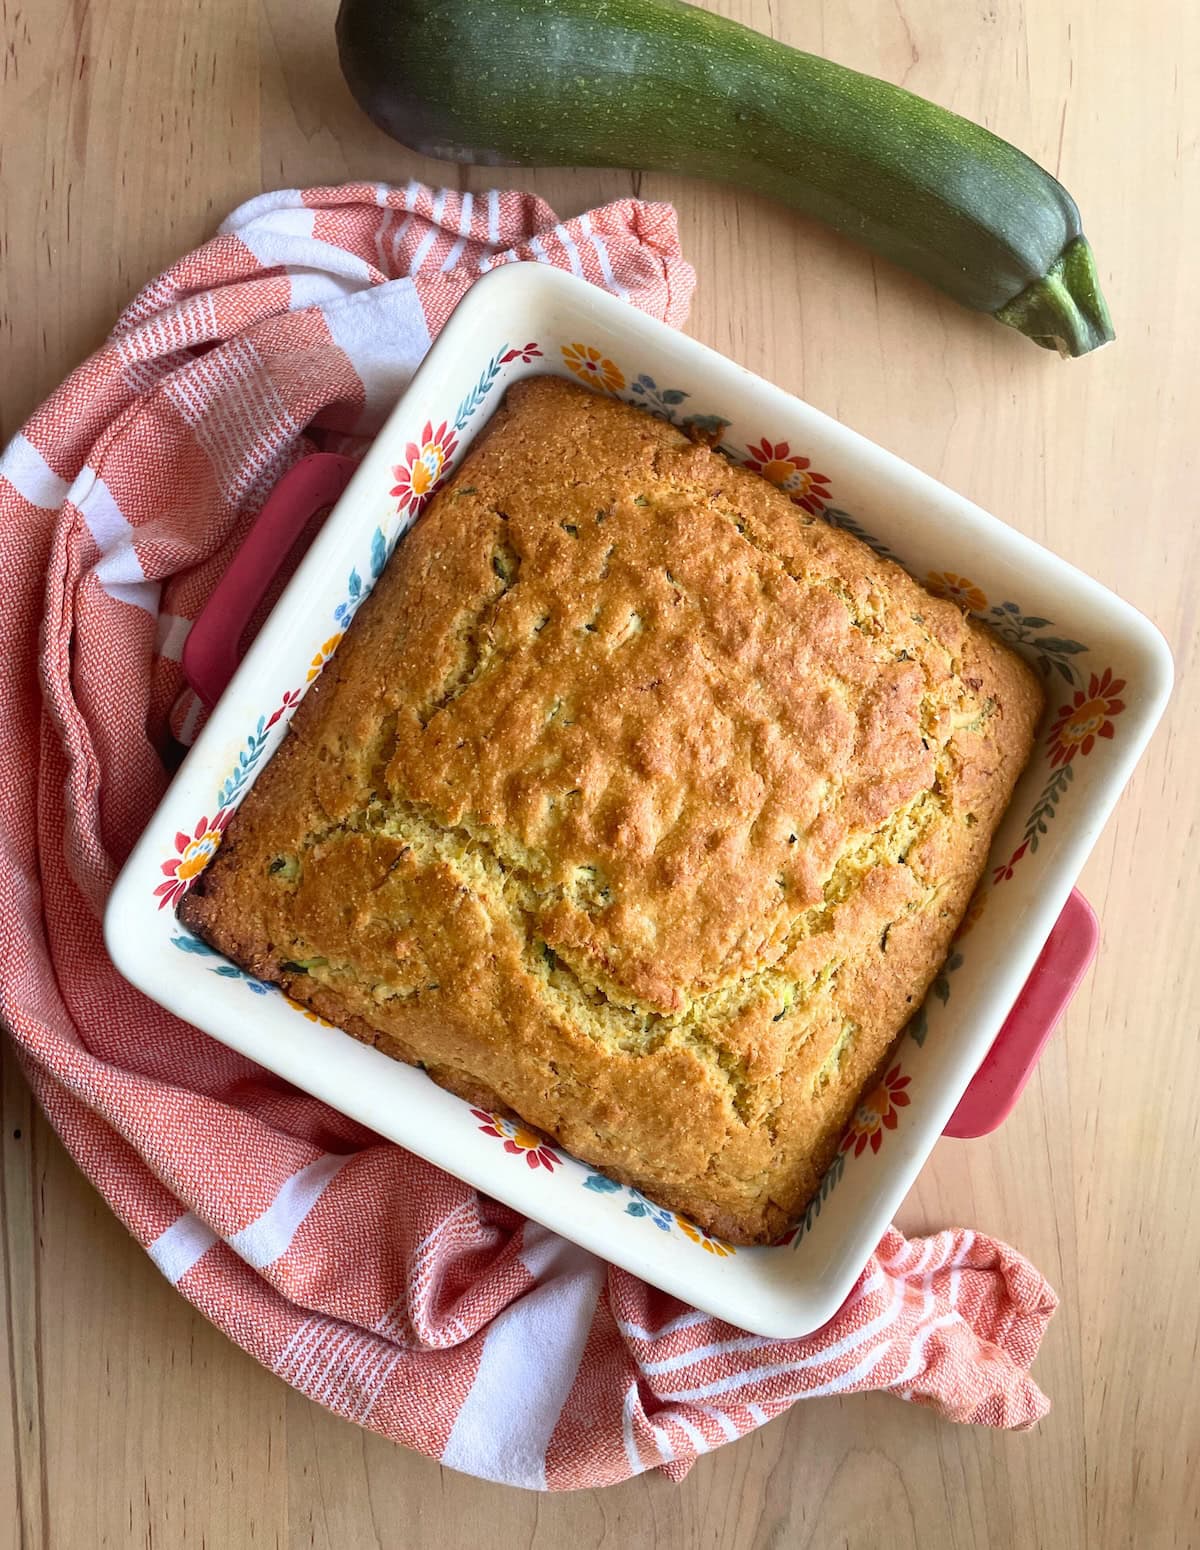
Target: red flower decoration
791,473
525,352
1086,718
423,467
1004,871
195,851
876,1113
519,1141
290,700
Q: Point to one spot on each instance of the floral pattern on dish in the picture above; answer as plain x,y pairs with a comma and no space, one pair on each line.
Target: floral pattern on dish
790,472
1072,736
953,588
1087,717
706,1240
661,402
308,1014
830,1180
423,467
638,1205
193,852
519,1140
520,352
228,971
1051,653
322,655
877,1111
593,367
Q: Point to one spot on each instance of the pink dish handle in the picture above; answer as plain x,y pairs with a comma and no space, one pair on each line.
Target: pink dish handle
1009,1063
214,647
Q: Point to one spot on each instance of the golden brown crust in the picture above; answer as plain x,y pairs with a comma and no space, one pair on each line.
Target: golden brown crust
635,802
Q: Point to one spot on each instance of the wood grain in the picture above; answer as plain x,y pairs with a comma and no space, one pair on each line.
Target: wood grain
126,131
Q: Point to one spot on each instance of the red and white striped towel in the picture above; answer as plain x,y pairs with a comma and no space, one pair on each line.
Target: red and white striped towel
361,1275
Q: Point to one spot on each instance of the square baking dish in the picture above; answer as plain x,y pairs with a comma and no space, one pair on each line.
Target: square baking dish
1108,674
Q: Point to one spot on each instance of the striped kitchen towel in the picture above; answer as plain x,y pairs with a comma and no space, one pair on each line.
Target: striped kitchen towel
380,1287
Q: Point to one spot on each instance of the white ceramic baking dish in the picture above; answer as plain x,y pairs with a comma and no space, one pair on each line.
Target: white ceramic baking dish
1108,674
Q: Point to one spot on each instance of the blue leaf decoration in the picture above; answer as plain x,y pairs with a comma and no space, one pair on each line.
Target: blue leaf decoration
378,553
601,1185
193,944
1058,646
477,394
635,1208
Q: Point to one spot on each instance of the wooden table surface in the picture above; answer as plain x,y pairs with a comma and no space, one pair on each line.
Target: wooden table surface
127,130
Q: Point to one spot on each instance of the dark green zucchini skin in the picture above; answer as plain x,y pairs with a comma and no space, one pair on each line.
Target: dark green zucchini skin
661,85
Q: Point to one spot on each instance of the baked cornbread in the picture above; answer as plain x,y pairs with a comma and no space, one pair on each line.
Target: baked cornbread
635,803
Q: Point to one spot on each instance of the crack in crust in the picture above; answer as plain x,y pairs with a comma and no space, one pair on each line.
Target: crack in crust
477,648
510,879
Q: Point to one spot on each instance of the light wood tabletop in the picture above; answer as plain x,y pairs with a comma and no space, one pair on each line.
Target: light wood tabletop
127,130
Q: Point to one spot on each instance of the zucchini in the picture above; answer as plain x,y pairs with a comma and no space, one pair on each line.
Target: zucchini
660,85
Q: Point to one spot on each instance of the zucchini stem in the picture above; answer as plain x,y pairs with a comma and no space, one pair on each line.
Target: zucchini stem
1064,310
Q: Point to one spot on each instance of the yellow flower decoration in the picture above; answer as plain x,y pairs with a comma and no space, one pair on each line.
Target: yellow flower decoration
323,656
707,1242
593,368
956,589
197,855
308,1014
973,912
